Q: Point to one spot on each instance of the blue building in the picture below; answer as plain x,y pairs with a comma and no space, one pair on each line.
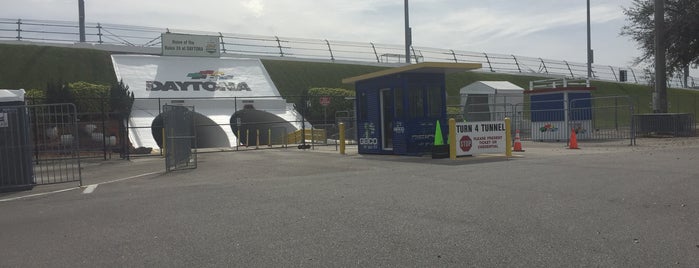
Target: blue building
397,109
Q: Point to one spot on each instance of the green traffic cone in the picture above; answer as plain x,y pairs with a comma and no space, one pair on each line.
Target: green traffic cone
438,140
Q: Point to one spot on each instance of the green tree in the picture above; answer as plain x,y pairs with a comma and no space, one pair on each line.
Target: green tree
90,98
35,96
681,32
340,100
58,92
121,101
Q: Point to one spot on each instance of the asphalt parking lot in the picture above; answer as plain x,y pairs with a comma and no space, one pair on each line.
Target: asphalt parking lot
607,204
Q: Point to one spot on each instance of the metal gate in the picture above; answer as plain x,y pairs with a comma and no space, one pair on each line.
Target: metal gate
179,137
610,118
39,145
600,118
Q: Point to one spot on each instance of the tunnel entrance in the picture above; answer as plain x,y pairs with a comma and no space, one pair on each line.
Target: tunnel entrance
245,124
208,133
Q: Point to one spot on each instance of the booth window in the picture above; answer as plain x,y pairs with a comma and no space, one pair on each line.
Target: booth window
398,102
363,107
416,103
434,102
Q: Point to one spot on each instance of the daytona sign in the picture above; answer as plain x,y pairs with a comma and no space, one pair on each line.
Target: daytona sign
180,77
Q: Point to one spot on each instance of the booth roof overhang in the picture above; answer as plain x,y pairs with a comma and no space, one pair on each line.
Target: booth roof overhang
423,67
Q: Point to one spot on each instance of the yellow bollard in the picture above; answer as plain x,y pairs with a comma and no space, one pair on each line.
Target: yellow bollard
163,150
247,138
269,137
285,138
452,139
508,137
342,138
257,139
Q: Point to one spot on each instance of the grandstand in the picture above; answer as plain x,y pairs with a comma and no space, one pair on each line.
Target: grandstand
146,40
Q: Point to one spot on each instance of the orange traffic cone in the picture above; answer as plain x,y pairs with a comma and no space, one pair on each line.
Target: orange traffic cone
573,140
518,142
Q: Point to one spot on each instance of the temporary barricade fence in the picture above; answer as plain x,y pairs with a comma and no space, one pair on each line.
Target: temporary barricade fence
41,145
601,118
179,138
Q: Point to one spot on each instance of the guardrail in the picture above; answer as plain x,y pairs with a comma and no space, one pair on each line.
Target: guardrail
147,39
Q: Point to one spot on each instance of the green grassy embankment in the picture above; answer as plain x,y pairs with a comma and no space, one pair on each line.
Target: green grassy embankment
28,66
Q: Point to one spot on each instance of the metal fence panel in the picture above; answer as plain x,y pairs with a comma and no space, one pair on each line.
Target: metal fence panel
56,143
611,118
602,118
671,124
180,137
39,145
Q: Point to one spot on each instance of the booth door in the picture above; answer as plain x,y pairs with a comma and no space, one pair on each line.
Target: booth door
386,100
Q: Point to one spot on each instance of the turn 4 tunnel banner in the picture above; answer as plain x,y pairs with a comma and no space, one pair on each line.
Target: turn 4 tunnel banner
480,137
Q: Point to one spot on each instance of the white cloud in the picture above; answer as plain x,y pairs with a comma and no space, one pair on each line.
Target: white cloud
256,7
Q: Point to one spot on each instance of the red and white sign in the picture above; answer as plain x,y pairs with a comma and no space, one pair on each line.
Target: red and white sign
465,143
480,138
325,100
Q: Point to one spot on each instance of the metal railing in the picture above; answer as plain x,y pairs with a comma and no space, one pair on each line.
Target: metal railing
147,40
663,125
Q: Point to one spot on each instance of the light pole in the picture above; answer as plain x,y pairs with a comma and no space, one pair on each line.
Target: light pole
81,18
660,96
590,55
408,34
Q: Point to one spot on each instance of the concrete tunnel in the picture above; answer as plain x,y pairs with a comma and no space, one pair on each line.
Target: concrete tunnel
248,121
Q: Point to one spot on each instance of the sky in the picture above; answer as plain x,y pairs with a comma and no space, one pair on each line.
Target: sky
550,29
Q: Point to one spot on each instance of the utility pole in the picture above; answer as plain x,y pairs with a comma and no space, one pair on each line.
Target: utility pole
660,95
81,14
590,55
408,34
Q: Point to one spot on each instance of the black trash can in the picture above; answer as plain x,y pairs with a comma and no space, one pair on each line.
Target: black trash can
16,167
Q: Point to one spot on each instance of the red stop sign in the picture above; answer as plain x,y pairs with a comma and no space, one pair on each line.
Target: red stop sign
465,143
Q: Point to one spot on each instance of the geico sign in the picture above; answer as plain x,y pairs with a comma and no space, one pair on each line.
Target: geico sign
196,86
368,141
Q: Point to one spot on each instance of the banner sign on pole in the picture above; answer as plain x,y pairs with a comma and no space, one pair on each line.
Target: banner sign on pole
189,45
324,100
480,137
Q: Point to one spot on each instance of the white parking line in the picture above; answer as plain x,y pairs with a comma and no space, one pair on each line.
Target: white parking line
133,177
39,194
90,189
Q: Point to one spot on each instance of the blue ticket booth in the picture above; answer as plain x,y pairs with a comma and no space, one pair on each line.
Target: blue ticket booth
397,109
